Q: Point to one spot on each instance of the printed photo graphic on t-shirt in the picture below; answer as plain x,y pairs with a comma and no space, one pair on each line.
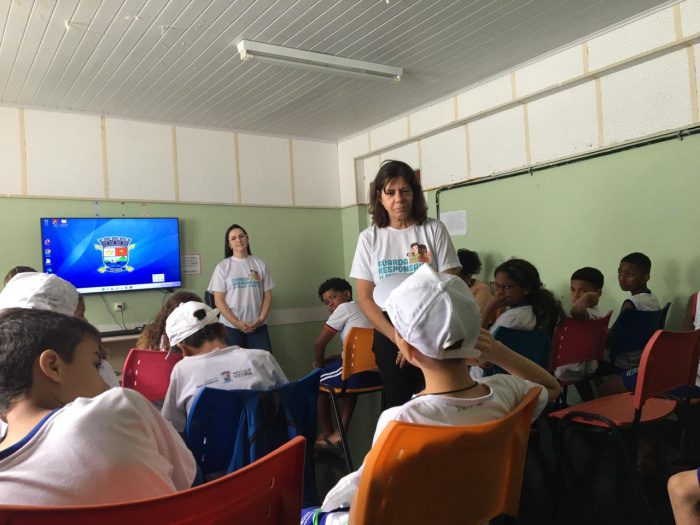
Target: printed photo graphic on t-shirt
255,275
246,282
418,253
415,257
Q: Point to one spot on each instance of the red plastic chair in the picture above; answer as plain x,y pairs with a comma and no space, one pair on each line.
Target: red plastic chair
267,491
148,372
669,361
578,341
449,475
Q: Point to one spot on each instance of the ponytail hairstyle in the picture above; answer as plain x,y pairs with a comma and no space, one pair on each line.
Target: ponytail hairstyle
228,252
547,308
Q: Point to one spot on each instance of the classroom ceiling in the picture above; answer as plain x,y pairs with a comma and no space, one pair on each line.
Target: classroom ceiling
175,61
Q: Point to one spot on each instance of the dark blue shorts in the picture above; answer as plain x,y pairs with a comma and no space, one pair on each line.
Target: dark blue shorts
330,375
629,379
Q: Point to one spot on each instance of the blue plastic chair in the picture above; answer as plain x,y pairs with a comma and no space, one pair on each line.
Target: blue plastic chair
533,344
271,418
633,329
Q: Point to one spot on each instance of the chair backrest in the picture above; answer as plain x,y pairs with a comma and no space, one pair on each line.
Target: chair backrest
579,340
633,329
449,475
669,360
212,425
267,491
148,372
533,344
357,352
272,417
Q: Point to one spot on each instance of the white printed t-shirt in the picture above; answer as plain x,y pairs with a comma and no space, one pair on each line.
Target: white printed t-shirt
645,302
230,368
576,371
385,256
112,448
506,392
346,316
517,318
244,281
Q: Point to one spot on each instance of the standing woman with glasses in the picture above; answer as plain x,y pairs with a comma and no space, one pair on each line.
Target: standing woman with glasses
242,288
400,239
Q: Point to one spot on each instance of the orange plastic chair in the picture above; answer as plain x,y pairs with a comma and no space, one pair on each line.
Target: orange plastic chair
148,372
575,341
357,357
449,475
267,491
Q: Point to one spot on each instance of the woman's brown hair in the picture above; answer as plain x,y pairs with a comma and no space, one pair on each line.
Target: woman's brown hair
389,170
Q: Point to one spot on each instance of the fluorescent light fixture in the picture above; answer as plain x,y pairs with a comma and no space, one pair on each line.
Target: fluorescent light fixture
322,62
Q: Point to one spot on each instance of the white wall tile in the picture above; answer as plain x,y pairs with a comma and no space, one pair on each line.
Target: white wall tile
140,160
650,97
315,173
493,93
265,178
206,162
348,150
408,153
549,71
690,17
370,166
563,124
497,143
64,155
636,37
10,167
444,158
389,133
432,117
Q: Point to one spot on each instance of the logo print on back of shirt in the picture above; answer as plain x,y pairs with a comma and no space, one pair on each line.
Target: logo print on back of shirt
226,374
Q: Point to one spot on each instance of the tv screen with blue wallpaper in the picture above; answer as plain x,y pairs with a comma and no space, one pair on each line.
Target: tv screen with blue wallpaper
99,254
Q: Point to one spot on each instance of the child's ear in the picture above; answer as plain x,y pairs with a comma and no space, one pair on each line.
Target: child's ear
347,295
49,363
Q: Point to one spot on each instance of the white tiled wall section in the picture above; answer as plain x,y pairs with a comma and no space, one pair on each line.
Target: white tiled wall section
10,152
531,118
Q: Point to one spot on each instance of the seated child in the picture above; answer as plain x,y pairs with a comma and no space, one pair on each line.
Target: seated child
633,274
193,329
153,334
336,294
528,304
684,493
44,291
436,322
471,266
69,439
586,289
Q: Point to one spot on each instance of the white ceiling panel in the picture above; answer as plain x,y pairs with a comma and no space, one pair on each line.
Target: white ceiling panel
175,61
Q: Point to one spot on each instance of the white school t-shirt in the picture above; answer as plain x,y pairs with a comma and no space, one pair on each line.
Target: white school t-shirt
230,368
645,302
244,281
517,318
384,255
576,371
112,448
346,316
696,322
506,392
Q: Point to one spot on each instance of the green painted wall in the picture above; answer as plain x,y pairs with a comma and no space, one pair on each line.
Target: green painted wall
592,213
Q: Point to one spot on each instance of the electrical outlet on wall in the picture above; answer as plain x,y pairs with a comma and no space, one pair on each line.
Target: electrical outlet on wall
118,307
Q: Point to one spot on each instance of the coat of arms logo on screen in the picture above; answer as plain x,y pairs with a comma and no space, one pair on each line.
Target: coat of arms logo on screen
115,254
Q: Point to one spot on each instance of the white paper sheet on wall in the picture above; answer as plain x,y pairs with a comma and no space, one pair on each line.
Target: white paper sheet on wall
191,264
456,222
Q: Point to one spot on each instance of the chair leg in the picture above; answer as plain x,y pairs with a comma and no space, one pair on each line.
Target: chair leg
341,430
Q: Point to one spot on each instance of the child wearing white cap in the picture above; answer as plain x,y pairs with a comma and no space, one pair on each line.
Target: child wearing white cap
437,323
44,291
69,440
193,329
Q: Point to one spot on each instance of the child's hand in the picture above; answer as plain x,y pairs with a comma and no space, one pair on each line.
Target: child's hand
490,350
590,299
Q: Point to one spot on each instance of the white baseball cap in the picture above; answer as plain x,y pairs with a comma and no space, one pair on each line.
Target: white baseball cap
432,311
187,319
39,291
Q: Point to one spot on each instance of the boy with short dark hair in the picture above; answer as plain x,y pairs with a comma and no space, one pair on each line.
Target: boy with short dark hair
633,273
437,328
336,294
69,440
194,330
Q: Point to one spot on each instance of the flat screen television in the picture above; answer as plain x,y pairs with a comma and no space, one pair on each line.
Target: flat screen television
98,254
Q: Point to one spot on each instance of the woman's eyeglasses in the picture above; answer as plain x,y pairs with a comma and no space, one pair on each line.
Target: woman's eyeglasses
498,287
